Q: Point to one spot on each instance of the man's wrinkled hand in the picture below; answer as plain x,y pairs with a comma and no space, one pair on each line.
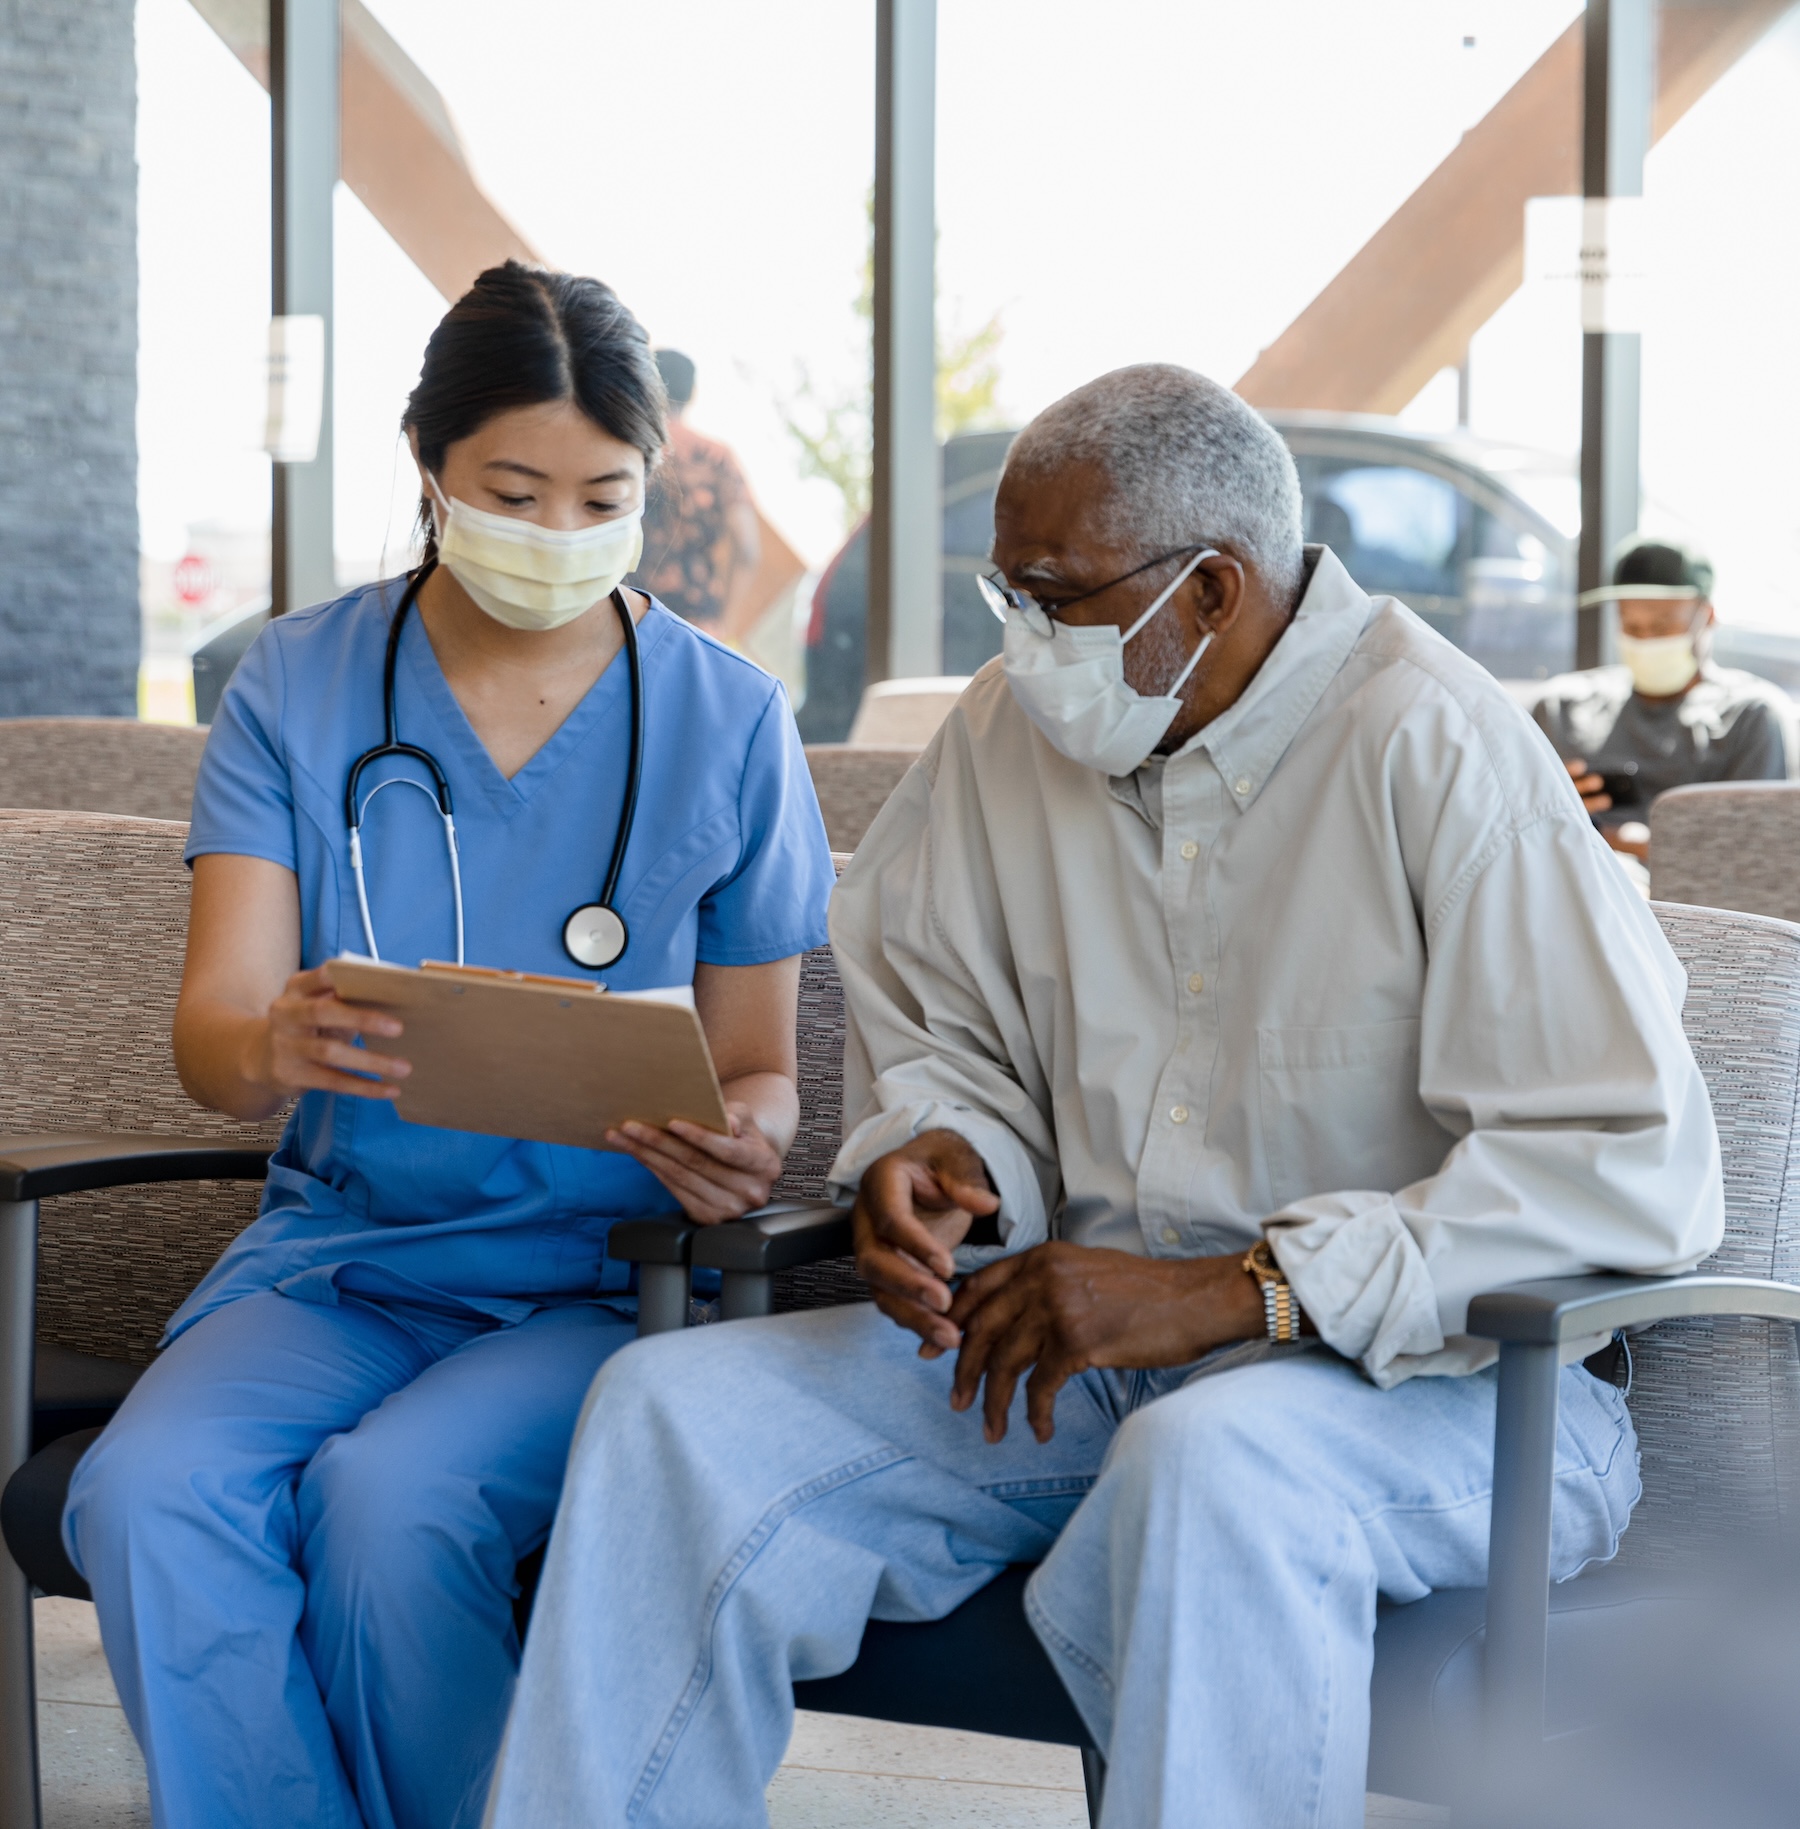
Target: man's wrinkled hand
914,1206
1059,1309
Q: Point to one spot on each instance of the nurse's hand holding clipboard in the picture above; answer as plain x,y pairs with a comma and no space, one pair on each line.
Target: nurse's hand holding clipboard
250,1033
748,1014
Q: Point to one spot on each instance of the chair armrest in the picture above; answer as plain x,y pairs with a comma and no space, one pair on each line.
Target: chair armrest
779,1237
1559,1309
663,1238
659,1245
37,1168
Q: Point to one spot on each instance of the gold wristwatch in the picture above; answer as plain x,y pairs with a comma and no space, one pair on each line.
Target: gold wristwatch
1279,1307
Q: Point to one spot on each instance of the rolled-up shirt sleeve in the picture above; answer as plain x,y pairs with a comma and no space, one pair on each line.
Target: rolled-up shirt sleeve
1582,1138
927,1044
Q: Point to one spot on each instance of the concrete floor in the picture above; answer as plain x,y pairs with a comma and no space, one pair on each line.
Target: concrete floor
839,1773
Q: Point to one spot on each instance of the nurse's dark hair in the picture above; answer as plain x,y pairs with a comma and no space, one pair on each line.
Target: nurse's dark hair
525,336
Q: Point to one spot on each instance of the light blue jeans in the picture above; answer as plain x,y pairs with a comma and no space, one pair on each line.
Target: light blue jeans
742,1498
301,1532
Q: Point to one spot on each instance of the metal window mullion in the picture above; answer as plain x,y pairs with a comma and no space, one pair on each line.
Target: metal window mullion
905,614
1618,92
303,109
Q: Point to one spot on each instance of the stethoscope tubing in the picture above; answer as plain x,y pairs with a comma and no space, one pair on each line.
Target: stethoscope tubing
440,788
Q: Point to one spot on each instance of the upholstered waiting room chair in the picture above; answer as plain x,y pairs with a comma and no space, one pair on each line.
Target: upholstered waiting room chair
1728,844
139,1188
1715,1396
99,765
853,782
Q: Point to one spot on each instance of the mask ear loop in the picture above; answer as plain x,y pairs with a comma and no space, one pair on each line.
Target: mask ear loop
1181,678
1180,578
1205,642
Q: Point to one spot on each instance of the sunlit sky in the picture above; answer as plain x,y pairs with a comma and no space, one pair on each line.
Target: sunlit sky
1158,179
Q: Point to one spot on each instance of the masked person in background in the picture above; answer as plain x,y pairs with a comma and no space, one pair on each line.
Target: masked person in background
301,1530
1667,716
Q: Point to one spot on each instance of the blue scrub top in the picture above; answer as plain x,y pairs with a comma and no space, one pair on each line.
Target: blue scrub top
728,863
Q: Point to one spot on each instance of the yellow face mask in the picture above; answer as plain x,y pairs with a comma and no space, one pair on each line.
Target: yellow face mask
532,577
1661,668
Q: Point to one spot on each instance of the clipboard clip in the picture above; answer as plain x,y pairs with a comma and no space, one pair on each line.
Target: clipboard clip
444,968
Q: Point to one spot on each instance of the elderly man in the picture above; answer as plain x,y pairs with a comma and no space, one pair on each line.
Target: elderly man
1236,988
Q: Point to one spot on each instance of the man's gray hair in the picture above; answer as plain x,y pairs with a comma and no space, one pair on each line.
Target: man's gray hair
1187,460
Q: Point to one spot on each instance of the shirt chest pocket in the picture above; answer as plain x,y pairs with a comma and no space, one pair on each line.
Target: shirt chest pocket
1340,1109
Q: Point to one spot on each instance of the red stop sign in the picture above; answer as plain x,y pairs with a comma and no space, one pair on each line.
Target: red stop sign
193,579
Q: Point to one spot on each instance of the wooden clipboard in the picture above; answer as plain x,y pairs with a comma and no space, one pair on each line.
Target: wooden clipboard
512,1054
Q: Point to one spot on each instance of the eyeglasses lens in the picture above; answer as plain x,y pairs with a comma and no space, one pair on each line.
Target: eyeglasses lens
995,596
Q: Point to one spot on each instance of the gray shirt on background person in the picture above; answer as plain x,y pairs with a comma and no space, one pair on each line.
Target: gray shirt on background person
1728,726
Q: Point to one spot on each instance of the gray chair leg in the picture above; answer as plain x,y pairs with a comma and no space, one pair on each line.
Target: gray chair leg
745,1294
18,1680
1093,1776
663,1292
1518,1592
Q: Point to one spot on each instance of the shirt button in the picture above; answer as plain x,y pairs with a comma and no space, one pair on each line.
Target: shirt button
1179,1115
1243,784
1196,983
1171,1236
1190,850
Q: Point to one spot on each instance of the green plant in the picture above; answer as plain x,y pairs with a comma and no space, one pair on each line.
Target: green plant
833,430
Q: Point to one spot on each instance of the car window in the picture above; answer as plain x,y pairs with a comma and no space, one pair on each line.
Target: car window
1395,528
969,517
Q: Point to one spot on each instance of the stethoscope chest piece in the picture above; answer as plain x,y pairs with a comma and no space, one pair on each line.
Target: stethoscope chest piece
594,935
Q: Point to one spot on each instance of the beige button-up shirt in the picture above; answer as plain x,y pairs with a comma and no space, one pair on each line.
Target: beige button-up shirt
1351,969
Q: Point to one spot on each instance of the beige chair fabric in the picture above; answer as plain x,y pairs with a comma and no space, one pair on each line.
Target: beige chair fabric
853,782
815,1148
1728,844
1717,1402
93,926
100,765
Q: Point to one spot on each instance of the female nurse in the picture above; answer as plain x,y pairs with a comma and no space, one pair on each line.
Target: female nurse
302,1528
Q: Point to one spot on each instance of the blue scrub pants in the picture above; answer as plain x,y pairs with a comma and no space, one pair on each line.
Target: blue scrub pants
301,1532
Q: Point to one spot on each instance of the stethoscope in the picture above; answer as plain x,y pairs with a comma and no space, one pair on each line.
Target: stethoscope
595,934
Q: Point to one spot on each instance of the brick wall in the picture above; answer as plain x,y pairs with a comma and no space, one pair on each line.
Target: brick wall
68,358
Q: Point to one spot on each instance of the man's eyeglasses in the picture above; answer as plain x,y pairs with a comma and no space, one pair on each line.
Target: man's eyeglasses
1000,596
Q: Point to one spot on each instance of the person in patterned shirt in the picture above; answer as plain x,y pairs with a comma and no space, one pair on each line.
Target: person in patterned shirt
700,532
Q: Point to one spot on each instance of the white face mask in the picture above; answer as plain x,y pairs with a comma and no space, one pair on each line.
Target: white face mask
1662,667
532,577
1070,682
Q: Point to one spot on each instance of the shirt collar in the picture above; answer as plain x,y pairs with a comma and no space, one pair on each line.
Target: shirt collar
1248,740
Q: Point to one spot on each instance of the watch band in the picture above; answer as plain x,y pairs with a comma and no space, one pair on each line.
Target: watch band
1280,1312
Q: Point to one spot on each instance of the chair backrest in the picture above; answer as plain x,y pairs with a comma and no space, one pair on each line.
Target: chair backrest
1717,1403
853,782
821,1131
100,765
821,1085
905,711
93,927
1728,844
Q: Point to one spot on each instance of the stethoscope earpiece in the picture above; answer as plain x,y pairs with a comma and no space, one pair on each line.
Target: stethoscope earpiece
595,934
